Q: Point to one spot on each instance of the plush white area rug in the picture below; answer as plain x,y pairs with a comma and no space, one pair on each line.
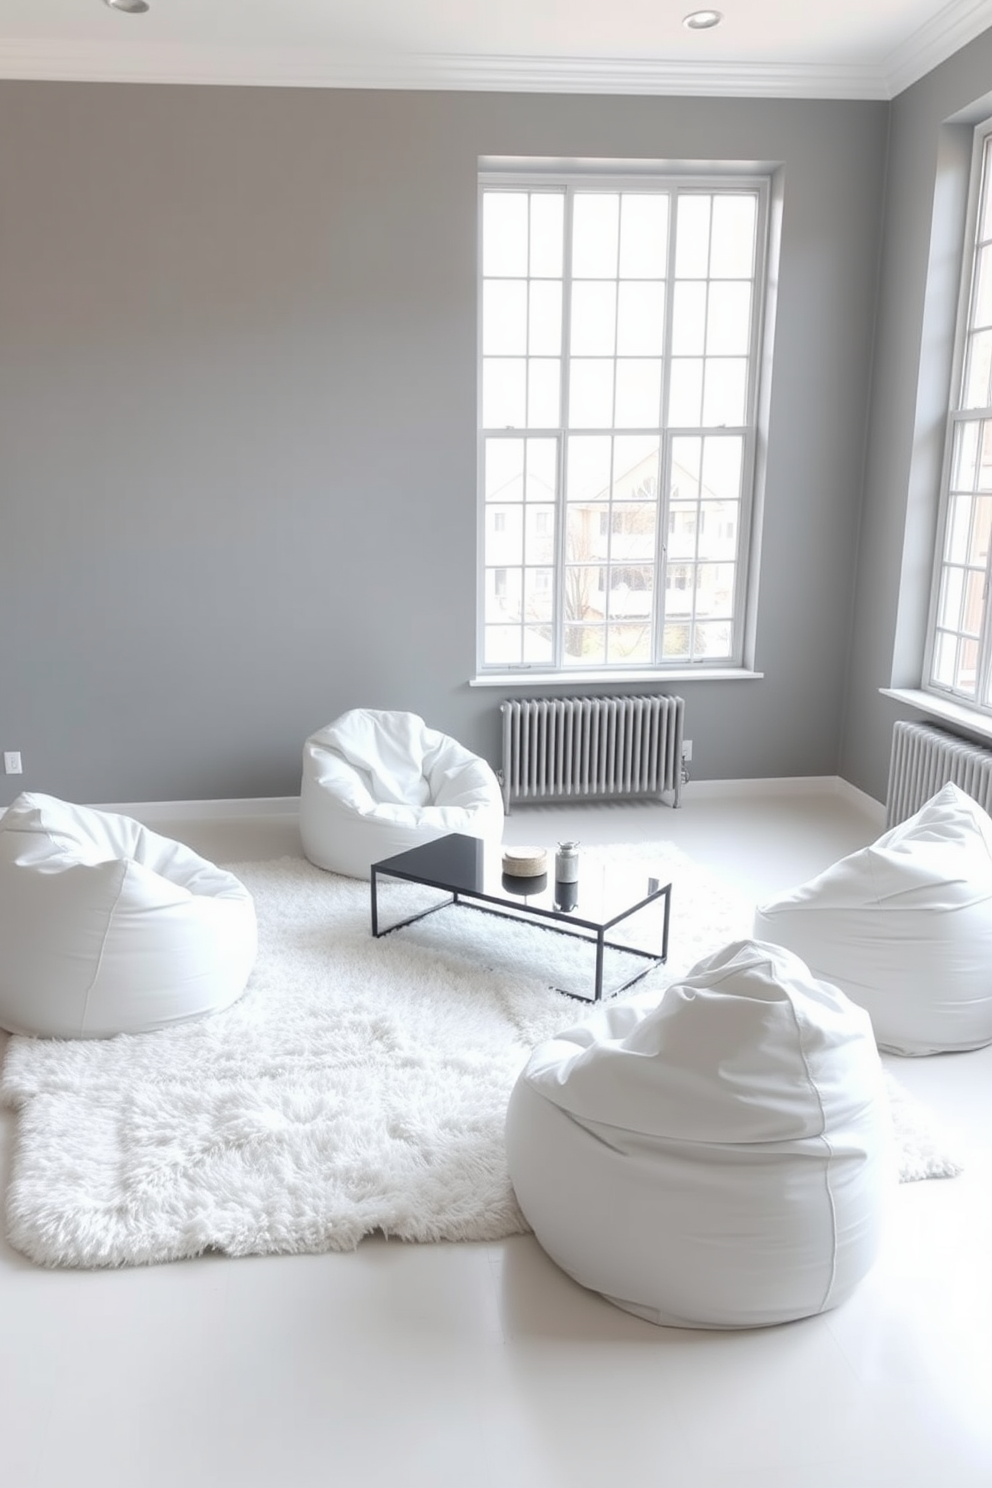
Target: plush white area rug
359,1085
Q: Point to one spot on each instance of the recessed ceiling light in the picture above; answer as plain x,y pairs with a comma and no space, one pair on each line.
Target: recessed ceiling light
130,7
702,20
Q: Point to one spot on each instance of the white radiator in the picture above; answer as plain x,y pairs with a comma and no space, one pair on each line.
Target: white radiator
558,749
924,759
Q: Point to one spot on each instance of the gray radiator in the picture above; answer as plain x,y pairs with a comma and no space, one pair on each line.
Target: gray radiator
560,749
924,759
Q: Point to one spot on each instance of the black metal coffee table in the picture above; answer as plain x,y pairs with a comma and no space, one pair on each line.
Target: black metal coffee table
471,873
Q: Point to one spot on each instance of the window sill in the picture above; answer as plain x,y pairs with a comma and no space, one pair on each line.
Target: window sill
943,709
524,677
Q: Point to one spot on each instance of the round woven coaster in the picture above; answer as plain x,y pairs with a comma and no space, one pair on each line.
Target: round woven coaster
525,862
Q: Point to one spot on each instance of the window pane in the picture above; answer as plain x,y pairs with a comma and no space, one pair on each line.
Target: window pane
538,645
543,393
588,467
641,320
692,238
502,645
978,547
547,217
505,588
583,592
944,658
504,469
544,331
687,456
689,320
595,229
981,311
979,371
503,393
964,473
594,319
732,254
504,317
504,534
588,645
540,535
583,543
537,594
591,404
675,643
951,596
504,232
725,386
718,529
635,467
626,601
633,540
722,459
985,227
682,530
966,673
629,642
958,529
638,393
712,639
542,468
728,320
715,589
643,235
685,398
974,592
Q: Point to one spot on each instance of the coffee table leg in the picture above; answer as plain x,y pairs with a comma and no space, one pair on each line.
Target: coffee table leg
598,997
375,903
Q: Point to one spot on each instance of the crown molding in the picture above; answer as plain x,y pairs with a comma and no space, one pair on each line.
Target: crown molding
40,62
934,42
37,61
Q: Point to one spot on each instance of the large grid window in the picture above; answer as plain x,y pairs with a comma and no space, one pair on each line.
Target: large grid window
959,646
619,332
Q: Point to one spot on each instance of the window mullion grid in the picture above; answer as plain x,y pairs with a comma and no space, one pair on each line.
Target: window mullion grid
665,435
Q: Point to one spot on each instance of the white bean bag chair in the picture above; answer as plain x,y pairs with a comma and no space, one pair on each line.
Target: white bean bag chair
904,927
376,783
717,1155
106,927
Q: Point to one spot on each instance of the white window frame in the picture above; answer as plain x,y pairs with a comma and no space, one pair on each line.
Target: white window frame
677,182
938,680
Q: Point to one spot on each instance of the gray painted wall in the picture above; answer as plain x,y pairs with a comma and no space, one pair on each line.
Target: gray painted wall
237,405
929,160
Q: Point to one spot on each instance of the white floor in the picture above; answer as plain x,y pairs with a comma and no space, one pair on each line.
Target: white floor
484,1366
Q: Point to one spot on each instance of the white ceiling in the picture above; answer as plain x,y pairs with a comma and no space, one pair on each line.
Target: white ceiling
793,48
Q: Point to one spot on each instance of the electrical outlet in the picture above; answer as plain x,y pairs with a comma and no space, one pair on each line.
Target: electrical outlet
687,750
12,762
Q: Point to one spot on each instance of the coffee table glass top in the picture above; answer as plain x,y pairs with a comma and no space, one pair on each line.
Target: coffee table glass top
602,895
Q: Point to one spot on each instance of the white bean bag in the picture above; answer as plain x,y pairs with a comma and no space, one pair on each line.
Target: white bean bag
376,783
717,1155
904,927
106,927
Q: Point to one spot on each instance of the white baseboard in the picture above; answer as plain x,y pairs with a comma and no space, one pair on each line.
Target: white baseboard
694,790
786,785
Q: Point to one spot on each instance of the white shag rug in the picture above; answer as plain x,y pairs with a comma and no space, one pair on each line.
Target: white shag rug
359,1085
